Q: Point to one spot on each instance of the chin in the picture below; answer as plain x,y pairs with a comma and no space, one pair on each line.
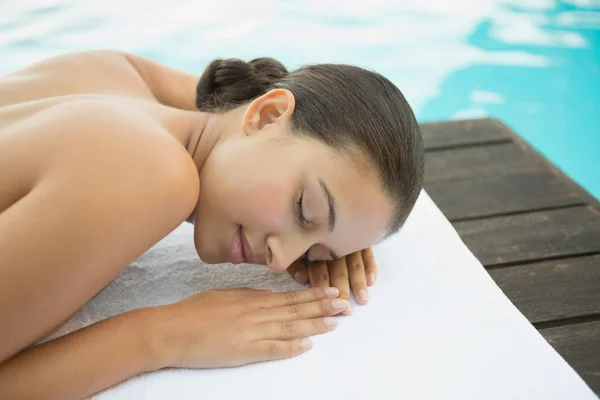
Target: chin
206,252
208,257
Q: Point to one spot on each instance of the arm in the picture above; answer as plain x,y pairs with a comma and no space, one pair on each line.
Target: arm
171,87
202,331
84,362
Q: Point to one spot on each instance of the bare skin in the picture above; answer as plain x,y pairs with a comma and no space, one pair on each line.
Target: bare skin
100,154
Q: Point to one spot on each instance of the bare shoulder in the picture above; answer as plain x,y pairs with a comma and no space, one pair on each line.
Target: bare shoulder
126,145
107,148
85,56
85,72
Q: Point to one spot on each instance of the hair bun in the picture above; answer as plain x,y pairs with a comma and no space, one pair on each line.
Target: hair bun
231,82
268,68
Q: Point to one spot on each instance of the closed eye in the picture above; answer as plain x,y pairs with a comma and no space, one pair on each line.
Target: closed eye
300,211
302,220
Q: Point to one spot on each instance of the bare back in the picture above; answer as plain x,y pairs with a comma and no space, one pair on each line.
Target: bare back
91,73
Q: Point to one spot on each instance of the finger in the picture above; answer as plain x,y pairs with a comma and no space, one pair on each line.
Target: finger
297,297
315,309
358,279
246,291
338,275
370,267
288,330
265,350
318,274
298,271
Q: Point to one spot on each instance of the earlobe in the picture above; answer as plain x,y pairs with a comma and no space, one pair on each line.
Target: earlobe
275,106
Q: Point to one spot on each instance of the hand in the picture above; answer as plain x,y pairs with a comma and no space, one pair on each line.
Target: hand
356,271
224,328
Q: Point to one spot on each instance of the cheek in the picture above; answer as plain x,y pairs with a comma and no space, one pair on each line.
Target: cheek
270,208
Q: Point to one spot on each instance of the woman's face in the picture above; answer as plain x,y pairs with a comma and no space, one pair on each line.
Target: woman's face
267,196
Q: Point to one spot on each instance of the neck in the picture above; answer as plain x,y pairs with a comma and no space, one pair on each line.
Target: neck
208,131
204,133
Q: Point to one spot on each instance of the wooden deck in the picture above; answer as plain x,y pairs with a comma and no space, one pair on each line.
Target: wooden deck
536,232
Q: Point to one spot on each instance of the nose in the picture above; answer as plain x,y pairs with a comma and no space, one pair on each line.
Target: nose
281,253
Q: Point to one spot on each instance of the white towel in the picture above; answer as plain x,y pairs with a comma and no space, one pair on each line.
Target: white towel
436,327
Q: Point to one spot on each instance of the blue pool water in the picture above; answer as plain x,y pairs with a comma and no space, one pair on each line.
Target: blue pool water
535,64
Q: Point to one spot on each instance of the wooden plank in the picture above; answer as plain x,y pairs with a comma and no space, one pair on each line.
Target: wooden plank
463,133
500,194
587,197
474,163
532,236
579,345
553,290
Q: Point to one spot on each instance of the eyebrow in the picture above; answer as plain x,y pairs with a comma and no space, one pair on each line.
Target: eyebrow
331,202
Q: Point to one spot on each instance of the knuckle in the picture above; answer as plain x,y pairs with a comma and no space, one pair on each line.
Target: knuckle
354,267
291,296
273,350
324,277
291,350
288,327
294,311
318,325
324,306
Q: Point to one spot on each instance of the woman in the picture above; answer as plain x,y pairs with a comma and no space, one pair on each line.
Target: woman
104,153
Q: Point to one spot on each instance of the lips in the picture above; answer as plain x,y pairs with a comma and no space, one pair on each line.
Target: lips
236,248
239,249
248,254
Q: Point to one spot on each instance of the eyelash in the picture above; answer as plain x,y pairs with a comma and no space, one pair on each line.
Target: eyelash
299,210
302,221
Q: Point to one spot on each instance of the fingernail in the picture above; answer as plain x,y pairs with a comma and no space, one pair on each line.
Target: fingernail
306,344
341,304
363,295
371,279
331,291
330,321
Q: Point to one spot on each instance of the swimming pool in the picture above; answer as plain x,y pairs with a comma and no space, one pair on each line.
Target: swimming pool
534,64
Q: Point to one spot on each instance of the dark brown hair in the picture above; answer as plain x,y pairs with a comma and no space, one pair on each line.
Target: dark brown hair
342,106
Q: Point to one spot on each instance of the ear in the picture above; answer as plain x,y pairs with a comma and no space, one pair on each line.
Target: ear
275,106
